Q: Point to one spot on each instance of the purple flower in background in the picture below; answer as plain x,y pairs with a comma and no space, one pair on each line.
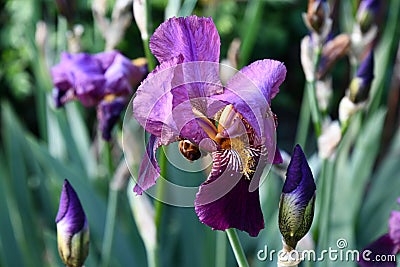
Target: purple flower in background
361,84
296,208
366,13
92,79
184,100
388,245
72,228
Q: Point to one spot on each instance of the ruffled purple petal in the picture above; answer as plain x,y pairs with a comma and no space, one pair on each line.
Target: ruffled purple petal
83,73
70,211
195,38
225,201
251,90
383,246
121,75
108,113
149,170
152,106
394,227
366,69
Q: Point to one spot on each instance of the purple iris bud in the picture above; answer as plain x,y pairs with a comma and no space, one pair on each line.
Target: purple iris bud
184,100
72,228
366,13
361,84
91,77
108,113
387,245
296,208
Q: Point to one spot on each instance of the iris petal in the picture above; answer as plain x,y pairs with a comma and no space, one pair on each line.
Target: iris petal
195,38
149,169
383,246
225,201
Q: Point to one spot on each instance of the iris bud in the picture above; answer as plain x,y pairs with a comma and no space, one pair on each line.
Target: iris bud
72,228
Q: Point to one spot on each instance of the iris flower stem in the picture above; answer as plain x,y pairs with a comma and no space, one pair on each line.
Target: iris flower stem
325,205
311,87
220,257
158,209
304,121
149,56
111,213
237,247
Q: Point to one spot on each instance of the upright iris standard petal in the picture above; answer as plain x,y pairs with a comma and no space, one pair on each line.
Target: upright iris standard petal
196,39
72,228
296,208
251,93
361,84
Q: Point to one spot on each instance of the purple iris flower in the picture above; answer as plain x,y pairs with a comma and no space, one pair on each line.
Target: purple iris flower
384,247
94,80
296,208
72,228
183,100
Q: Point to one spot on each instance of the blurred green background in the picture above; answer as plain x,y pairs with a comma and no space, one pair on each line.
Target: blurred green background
40,146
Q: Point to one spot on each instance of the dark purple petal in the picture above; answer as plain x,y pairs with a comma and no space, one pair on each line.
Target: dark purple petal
70,211
251,90
149,169
366,69
225,201
383,246
296,207
394,227
108,113
121,75
195,38
83,73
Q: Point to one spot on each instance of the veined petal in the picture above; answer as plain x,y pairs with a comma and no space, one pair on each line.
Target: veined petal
195,38
152,106
225,201
250,90
149,170
382,246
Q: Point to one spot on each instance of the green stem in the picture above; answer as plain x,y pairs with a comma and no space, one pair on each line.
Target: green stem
315,113
158,209
237,247
220,257
327,188
150,59
304,121
312,96
111,213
